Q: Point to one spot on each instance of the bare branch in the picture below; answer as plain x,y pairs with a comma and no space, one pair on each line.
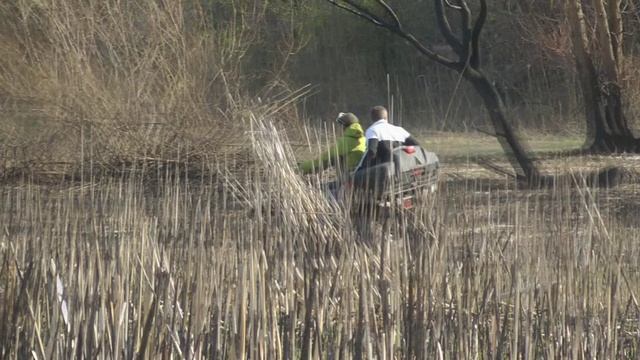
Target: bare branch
445,28
391,13
364,10
465,24
365,15
430,53
395,28
474,61
450,5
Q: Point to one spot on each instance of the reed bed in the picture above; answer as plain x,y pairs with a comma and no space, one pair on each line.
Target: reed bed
258,264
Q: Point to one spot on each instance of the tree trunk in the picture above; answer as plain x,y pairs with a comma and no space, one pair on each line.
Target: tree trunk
610,52
513,147
585,70
607,127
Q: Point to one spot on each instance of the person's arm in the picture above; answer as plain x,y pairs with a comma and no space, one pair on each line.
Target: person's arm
326,159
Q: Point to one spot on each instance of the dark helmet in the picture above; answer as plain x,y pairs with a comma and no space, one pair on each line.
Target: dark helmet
347,119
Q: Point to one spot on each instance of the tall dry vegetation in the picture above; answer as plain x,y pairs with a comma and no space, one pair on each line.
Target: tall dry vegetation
129,81
261,265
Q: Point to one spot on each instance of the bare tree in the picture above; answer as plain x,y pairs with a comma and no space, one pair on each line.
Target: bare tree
466,46
598,57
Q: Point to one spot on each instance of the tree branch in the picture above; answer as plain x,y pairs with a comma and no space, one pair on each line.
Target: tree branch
395,28
450,5
367,16
368,12
465,24
442,60
474,61
445,28
391,13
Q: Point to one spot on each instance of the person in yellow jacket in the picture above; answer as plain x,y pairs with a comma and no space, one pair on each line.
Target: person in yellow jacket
347,151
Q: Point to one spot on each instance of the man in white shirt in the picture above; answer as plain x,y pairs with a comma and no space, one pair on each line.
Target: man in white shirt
382,137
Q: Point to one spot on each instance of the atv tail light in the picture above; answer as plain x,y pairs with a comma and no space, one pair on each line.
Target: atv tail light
407,203
409,149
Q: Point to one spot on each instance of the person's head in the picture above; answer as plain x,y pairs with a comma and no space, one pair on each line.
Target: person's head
347,119
379,113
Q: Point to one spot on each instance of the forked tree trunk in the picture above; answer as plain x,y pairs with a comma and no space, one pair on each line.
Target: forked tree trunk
607,127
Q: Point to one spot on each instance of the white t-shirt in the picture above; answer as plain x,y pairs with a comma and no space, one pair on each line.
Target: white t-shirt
383,131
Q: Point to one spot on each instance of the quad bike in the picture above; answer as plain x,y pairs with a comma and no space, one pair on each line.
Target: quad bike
391,189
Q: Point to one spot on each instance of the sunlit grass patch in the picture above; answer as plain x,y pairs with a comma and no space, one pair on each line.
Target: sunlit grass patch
459,146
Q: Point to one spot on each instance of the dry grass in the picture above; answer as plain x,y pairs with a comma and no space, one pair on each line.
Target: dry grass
131,82
261,266
455,147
